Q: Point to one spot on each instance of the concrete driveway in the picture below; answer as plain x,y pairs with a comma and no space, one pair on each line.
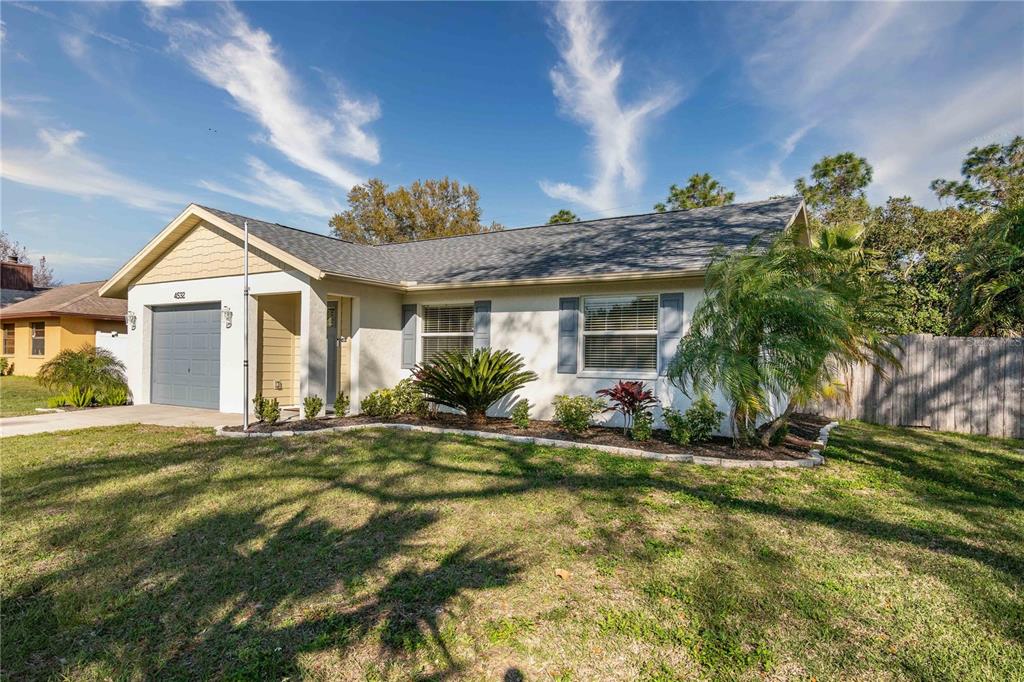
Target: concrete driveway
161,415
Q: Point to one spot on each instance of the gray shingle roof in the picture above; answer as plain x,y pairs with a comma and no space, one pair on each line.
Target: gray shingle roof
649,243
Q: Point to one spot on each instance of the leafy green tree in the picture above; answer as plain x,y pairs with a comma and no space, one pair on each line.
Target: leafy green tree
836,193
784,321
423,210
701,190
563,216
993,177
991,296
914,251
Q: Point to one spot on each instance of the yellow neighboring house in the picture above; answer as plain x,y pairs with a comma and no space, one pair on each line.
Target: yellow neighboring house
36,329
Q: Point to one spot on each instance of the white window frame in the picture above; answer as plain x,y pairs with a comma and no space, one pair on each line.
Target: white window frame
426,335
12,328
32,339
623,372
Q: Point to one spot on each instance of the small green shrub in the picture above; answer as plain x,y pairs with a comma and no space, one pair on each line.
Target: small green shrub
472,381
56,401
575,412
271,410
409,398
703,418
697,425
643,427
341,404
380,403
386,403
779,435
79,397
521,414
678,426
311,406
257,406
117,395
4,364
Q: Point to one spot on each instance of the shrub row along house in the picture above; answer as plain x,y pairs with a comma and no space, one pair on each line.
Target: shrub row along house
585,304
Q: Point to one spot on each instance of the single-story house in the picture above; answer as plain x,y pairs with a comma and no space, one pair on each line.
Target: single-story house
35,329
584,303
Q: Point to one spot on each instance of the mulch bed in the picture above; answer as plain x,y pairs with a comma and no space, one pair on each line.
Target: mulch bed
803,431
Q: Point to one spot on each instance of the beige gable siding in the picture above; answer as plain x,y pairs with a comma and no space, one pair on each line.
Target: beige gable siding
279,348
206,251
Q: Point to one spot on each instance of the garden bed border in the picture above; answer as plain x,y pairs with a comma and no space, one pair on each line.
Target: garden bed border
814,457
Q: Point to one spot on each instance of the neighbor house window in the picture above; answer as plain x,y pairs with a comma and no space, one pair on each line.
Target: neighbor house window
8,339
38,338
620,333
447,327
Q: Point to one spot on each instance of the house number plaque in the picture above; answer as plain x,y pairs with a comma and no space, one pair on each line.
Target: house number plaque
179,294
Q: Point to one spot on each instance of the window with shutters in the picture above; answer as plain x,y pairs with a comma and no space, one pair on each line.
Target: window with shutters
38,338
8,339
620,333
447,327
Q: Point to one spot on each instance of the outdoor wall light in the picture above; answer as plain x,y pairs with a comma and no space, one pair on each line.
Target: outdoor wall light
227,316
130,319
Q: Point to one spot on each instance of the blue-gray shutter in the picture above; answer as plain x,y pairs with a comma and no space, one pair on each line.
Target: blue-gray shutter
568,334
670,329
481,324
408,335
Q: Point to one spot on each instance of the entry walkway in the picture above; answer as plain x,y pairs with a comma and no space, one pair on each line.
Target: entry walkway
161,415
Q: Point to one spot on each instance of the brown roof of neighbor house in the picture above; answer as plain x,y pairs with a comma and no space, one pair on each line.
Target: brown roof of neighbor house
82,300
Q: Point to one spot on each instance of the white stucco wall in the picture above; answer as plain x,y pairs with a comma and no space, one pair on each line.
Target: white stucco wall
525,320
224,291
376,335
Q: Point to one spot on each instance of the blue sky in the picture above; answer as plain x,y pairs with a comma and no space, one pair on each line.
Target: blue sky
116,115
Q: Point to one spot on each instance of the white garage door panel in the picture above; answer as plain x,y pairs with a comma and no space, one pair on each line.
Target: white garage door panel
186,355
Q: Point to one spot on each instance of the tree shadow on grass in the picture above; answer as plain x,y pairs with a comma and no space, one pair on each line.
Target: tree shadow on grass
218,597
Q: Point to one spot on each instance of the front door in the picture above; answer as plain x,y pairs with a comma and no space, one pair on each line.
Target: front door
333,317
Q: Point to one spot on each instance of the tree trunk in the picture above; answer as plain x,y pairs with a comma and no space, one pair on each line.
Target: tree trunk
476,417
768,430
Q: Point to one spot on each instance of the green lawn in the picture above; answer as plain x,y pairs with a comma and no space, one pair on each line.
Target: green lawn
21,395
144,553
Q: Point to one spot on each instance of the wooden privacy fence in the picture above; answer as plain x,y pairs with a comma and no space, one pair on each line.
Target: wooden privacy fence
967,385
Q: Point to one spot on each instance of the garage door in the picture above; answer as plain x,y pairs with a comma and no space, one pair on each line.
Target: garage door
186,355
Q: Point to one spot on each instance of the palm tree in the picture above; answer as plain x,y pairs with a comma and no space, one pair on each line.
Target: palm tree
780,323
991,299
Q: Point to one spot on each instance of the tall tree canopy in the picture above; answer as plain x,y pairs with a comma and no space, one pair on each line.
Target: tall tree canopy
836,193
563,216
701,190
993,176
423,210
915,251
42,273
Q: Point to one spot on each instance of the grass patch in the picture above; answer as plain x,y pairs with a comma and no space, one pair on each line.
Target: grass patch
146,552
21,395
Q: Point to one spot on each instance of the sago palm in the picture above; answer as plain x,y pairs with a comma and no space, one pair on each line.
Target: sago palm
472,381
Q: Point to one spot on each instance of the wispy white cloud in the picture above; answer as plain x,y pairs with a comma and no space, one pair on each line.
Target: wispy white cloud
62,166
889,81
243,60
773,182
266,187
586,83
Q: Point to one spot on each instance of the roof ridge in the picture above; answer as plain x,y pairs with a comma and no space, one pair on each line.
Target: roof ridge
593,220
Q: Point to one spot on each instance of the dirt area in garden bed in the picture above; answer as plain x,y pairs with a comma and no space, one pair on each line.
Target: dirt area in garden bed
803,431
